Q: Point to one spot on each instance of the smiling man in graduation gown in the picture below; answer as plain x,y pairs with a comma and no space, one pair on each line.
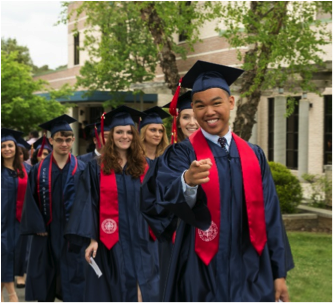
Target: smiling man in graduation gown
55,268
230,244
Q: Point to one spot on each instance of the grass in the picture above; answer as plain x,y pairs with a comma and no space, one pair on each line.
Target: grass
311,279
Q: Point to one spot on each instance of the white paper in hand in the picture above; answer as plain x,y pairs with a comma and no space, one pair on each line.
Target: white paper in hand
95,267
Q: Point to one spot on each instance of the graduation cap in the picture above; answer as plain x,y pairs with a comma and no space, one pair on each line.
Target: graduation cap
38,144
184,102
153,115
121,116
58,124
204,75
22,143
10,135
95,129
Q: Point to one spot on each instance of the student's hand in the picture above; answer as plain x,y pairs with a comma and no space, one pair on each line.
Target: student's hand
281,291
91,250
42,234
198,172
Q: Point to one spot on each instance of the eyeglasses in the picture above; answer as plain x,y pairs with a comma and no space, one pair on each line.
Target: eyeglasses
61,141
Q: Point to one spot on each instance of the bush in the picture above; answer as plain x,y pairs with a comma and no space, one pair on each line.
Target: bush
288,188
321,190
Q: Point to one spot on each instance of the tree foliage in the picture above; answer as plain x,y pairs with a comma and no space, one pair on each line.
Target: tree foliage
21,109
134,37
285,47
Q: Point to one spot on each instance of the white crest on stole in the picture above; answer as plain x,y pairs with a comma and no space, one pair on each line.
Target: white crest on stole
109,226
209,234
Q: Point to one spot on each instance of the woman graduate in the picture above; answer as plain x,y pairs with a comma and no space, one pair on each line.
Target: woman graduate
55,268
186,124
14,178
230,244
38,155
153,133
107,217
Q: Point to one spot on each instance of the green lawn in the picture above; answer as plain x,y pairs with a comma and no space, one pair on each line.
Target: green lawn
311,279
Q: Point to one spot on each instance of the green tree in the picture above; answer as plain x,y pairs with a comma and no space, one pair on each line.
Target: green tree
285,46
21,109
23,55
134,38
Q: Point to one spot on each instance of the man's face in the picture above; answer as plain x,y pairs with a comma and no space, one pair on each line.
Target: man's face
212,110
61,145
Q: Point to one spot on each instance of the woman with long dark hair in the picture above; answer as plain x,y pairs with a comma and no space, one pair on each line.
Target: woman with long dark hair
14,177
107,217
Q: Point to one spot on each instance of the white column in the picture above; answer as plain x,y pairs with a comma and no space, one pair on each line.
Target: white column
75,127
280,129
303,137
254,136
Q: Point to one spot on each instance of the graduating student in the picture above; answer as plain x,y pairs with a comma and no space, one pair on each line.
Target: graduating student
230,244
55,268
14,178
23,149
109,221
38,155
98,141
23,245
153,133
186,124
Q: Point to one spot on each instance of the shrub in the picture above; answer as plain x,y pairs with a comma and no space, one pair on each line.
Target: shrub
288,188
321,190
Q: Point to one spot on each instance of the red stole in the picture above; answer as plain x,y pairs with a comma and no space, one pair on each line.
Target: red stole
109,209
207,242
21,188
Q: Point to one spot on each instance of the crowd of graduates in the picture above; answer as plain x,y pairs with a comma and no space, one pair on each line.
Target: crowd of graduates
139,219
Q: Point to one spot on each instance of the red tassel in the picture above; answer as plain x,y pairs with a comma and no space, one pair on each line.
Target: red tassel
174,130
42,146
99,145
102,127
173,105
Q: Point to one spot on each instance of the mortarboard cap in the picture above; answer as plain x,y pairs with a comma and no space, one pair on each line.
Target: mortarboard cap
58,124
204,75
153,115
184,102
122,115
22,143
10,135
38,144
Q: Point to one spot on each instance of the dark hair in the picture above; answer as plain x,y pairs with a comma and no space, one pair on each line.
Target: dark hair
34,159
34,133
25,152
17,164
136,160
66,133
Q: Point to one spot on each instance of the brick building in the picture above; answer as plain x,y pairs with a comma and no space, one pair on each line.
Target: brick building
302,142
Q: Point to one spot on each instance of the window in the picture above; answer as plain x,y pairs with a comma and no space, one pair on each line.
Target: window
96,113
270,129
77,49
292,137
183,35
328,129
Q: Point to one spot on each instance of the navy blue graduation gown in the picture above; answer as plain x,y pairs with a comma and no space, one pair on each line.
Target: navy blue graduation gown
55,268
10,227
87,157
237,272
133,259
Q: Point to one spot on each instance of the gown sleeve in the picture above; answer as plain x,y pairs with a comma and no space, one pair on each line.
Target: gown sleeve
176,159
84,219
277,240
32,221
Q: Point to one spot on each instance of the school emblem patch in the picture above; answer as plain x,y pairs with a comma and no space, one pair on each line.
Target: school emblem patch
209,234
109,226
